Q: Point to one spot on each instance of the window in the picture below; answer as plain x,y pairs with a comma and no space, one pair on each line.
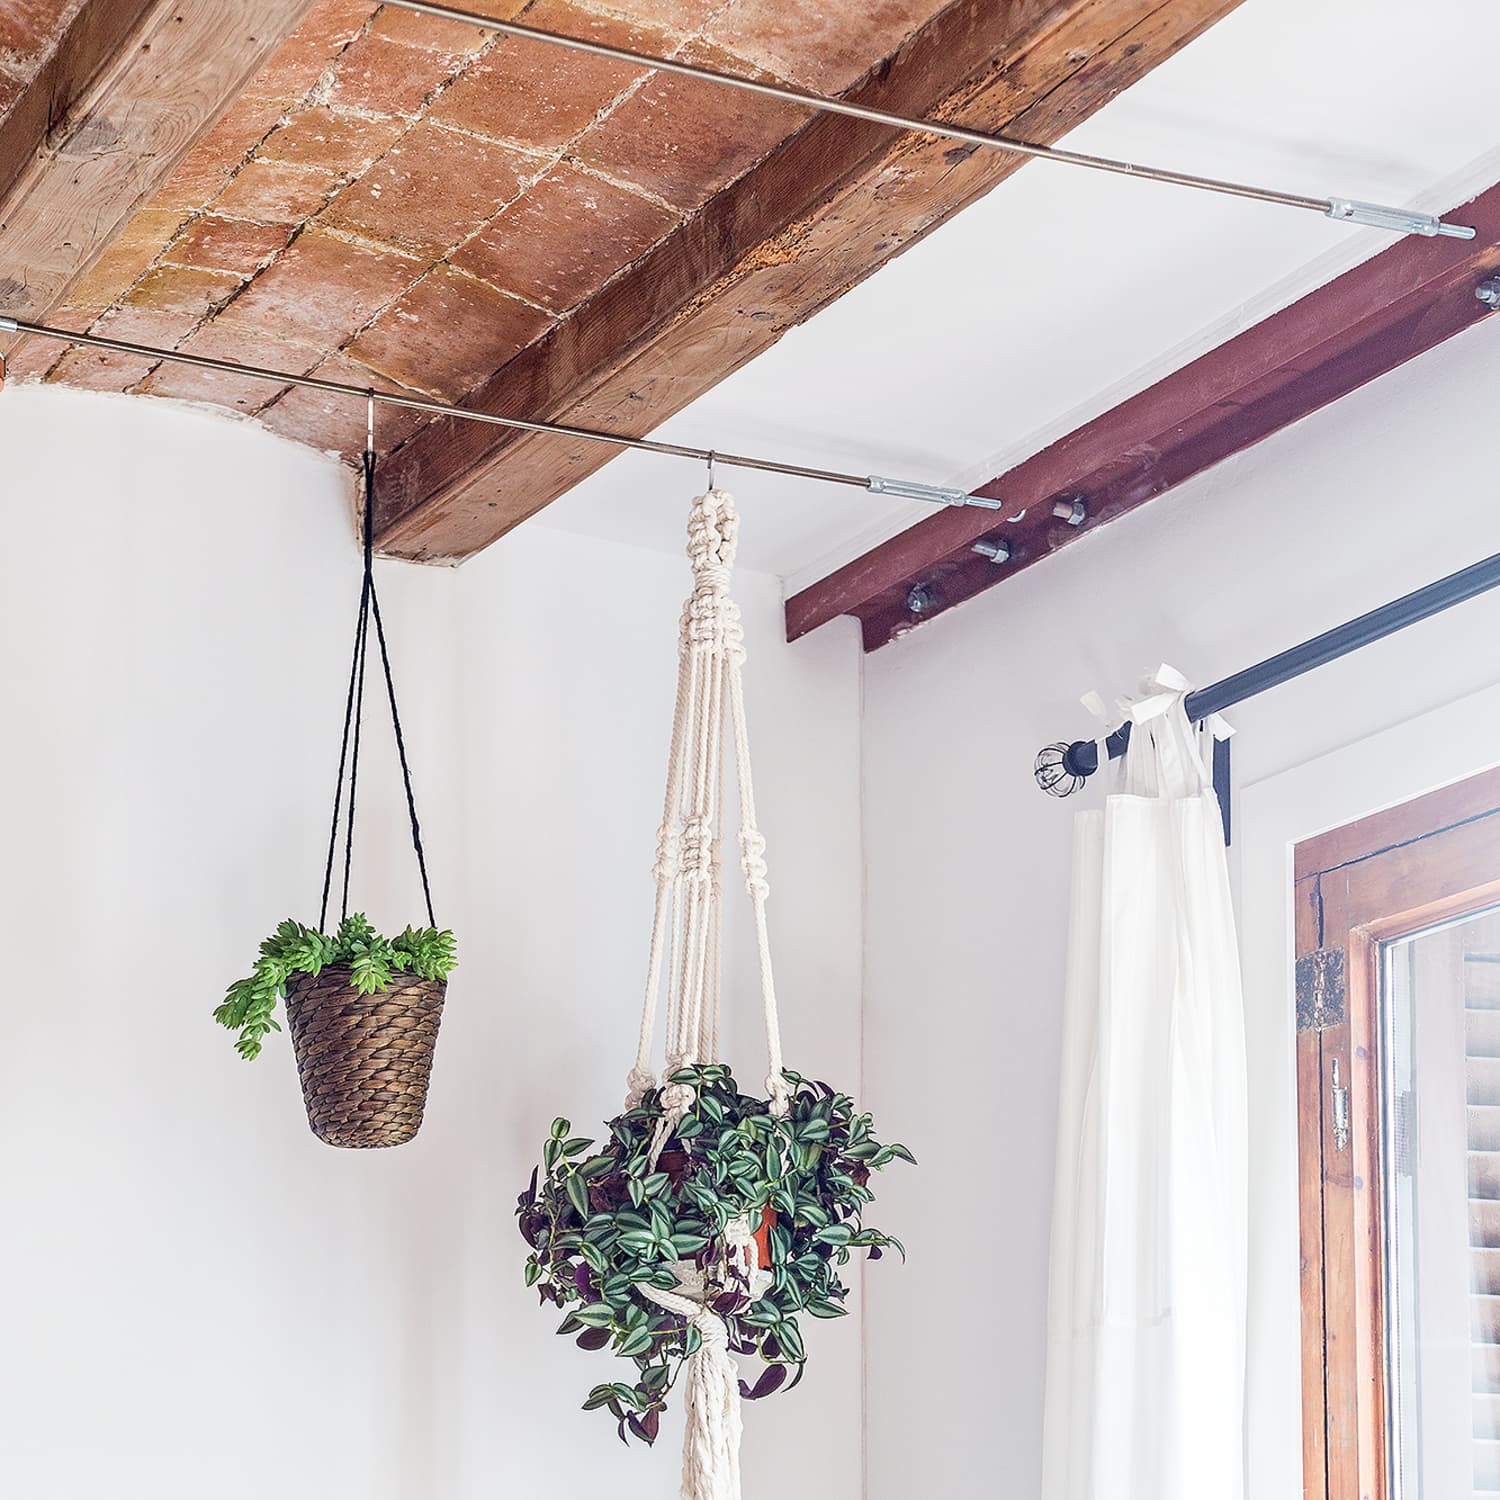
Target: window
1398,1086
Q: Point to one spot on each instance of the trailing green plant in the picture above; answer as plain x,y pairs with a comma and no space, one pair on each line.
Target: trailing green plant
603,1225
373,962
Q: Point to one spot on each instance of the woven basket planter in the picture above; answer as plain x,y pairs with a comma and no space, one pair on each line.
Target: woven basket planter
364,1060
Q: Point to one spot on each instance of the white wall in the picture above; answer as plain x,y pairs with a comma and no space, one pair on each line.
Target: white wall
966,871
200,1298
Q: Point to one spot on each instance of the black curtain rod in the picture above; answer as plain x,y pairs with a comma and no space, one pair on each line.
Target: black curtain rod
1061,769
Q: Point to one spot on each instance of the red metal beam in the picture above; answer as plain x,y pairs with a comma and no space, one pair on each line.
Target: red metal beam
1368,321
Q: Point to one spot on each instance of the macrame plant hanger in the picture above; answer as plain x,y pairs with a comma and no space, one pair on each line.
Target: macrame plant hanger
354,703
685,955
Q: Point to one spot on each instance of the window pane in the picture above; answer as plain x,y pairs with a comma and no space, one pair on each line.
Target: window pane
1441,1118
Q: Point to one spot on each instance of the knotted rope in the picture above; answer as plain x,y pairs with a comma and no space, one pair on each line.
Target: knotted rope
688,906
711,1397
685,956
711,1446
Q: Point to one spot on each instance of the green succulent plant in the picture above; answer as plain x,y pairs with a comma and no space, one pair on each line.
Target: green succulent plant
603,1224
373,962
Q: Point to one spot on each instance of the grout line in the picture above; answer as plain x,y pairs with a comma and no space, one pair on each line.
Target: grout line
639,22
501,291
362,242
545,154
634,189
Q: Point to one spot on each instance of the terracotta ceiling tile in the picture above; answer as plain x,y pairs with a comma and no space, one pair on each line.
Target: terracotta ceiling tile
309,417
98,370
302,58
246,346
447,334
322,289
683,140
207,167
508,10
275,192
565,238
336,424
687,16
162,328
32,358
343,144
824,47
237,245
239,392
432,189
544,96
29,27
386,77
179,292
455,40
214,387
143,238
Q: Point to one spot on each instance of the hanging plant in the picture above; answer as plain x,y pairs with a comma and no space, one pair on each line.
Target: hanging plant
356,955
708,1220
363,1009
607,1229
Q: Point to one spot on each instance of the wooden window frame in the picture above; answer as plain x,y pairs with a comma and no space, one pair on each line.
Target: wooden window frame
1356,889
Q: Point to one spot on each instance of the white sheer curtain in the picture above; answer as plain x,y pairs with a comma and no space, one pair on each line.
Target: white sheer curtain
1146,1322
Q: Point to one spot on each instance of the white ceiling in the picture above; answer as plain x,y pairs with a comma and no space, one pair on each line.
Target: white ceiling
1064,290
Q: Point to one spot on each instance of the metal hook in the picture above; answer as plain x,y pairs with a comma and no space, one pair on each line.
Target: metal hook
4,369
711,485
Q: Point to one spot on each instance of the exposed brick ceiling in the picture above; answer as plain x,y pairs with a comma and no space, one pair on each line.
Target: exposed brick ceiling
406,203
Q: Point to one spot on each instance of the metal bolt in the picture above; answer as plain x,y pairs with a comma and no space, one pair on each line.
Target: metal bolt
922,599
1488,292
997,552
1074,511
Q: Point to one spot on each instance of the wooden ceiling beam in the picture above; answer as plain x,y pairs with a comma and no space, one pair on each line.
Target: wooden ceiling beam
831,204
1372,319
127,90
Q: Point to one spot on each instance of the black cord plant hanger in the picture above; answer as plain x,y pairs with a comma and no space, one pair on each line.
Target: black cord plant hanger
363,1009
354,704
